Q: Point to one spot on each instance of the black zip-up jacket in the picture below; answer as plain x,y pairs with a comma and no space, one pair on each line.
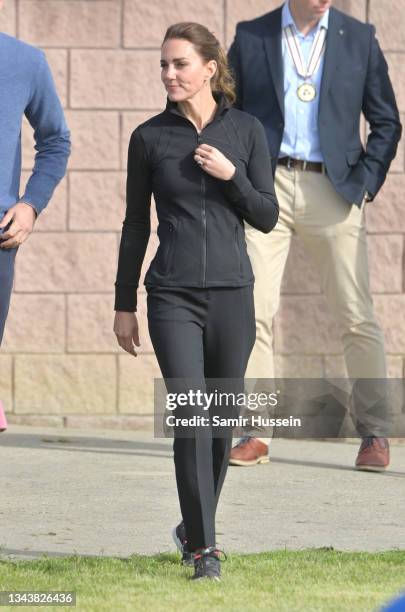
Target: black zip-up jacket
201,230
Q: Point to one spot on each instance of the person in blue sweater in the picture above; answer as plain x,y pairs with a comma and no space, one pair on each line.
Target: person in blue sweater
26,88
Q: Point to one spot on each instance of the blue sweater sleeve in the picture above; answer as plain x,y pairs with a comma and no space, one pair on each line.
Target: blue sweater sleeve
52,138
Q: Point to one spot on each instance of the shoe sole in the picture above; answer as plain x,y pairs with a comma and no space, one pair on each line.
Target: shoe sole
371,468
248,463
215,578
187,562
177,541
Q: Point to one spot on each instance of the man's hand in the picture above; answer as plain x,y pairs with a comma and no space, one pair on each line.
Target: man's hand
23,218
126,330
214,162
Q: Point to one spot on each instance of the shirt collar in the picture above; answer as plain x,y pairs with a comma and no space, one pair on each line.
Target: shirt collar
287,19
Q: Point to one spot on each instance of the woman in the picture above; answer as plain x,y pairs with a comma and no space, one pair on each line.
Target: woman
208,166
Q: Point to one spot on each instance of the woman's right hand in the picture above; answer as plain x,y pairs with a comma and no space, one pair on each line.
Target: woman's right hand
126,330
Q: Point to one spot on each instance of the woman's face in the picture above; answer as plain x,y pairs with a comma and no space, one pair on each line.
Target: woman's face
183,70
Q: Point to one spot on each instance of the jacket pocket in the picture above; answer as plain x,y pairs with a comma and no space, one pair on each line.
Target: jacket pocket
167,248
237,250
353,156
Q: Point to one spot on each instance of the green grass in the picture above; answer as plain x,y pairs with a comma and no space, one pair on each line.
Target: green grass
282,581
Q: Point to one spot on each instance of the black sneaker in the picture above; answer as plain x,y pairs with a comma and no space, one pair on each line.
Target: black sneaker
180,539
207,564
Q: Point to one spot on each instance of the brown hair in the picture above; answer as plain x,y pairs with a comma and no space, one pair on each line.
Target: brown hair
209,48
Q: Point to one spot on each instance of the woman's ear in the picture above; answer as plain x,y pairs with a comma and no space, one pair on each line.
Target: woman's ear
212,67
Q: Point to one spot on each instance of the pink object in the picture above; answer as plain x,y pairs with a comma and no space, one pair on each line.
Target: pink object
3,420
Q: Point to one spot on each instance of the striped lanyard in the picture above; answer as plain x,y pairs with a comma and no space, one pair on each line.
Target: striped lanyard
317,51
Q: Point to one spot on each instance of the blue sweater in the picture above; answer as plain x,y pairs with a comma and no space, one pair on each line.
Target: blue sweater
27,87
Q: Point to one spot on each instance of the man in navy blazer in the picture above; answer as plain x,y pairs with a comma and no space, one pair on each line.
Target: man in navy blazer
308,71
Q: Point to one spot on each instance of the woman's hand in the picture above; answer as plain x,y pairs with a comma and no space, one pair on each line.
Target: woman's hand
126,330
214,162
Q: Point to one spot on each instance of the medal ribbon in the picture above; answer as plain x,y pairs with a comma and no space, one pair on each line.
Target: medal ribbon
317,51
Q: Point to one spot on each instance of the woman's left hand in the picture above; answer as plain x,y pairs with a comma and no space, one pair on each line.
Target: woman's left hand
214,162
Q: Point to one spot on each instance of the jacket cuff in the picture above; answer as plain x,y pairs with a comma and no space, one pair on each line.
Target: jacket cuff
237,187
125,298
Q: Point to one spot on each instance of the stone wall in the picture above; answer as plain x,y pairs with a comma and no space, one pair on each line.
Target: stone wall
60,363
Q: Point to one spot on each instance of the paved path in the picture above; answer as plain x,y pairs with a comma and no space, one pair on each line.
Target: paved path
113,493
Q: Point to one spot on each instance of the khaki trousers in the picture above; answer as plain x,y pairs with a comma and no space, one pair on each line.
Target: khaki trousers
334,234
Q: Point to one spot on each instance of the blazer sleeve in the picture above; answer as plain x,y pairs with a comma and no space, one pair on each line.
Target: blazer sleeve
234,60
253,193
136,226
380,110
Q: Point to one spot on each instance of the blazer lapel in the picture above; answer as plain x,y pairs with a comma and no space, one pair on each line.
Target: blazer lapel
272,45
335,36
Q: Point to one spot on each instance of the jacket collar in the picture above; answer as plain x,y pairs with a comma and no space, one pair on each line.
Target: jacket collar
335,39
220,98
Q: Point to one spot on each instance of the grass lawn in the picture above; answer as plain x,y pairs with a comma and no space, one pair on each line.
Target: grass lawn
281,581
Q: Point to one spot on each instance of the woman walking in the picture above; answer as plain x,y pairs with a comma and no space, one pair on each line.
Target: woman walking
208,167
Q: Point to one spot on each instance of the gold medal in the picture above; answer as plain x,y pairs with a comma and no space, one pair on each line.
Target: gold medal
306,92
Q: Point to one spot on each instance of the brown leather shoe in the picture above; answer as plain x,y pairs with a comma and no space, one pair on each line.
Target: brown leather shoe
249,451
374,455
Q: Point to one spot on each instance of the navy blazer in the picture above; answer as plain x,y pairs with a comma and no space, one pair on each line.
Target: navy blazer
355,80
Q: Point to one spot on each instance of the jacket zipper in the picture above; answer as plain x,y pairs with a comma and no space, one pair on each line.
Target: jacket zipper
203,209
204,223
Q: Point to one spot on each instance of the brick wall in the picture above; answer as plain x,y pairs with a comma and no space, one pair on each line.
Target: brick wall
60,362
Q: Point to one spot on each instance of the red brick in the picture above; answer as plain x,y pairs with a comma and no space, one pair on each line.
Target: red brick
76,23
389,20
386,213
385,260
133,79
149,30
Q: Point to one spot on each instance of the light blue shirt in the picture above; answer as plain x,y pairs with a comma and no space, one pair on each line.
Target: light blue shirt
301,135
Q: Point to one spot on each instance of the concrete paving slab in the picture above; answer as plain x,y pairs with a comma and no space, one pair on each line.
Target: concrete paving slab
114,493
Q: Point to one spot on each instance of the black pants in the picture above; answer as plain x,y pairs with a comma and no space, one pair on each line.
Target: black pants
201,334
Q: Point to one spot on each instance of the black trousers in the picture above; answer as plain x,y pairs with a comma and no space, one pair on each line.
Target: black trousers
201,334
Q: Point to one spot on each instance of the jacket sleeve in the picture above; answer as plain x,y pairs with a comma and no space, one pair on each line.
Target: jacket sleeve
136,226
253,193
380,110
51,135
234,60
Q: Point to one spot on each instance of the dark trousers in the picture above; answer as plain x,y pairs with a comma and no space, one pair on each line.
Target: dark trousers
7,259
201,334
